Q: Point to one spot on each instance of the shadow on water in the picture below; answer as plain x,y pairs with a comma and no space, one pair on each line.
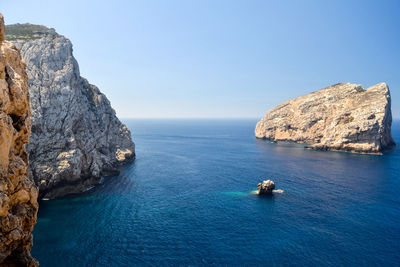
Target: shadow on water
96,194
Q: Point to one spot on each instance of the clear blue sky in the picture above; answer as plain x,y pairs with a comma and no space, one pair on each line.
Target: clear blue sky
222,58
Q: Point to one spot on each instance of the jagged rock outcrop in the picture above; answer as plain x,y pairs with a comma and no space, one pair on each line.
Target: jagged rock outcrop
342,117
18,194
76,136
266,187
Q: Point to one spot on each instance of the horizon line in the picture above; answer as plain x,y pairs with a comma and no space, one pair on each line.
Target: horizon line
205,118
193,118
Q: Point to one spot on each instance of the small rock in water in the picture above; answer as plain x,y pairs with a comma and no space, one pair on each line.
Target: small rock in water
266,187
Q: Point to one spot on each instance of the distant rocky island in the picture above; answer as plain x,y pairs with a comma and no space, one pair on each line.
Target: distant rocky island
341,117
76,137
18,193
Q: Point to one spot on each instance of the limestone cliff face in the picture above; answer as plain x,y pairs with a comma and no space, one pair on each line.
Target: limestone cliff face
342,117
18,194
76,136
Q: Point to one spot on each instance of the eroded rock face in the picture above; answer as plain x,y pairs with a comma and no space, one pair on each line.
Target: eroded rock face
342,117
18,194
76,136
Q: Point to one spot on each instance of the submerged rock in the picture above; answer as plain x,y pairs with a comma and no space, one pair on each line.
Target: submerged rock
76,136
342,117
266,187
18,193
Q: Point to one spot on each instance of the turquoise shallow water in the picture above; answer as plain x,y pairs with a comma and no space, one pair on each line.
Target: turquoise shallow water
187,200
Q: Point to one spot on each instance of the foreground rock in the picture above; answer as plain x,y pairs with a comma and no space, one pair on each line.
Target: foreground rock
342,117
18,194
266,187
76,136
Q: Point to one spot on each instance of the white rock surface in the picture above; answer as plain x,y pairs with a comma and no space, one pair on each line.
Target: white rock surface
76,136
342,117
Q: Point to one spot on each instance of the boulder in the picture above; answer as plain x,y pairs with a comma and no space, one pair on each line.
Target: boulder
266,187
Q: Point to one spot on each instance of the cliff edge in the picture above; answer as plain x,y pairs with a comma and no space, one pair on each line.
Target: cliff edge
76,136
341,117
18,194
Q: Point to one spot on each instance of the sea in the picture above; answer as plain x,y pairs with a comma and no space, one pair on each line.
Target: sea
187,200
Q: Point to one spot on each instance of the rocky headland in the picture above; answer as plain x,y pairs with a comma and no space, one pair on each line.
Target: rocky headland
76,137
341,117
18,193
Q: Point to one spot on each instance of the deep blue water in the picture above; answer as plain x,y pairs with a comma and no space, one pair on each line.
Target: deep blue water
186,201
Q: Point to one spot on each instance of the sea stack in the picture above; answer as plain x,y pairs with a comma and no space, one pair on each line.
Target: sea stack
266,187
76,136
18,193
341,117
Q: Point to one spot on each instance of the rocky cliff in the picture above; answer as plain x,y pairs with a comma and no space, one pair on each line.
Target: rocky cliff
18,194
76,136
342,117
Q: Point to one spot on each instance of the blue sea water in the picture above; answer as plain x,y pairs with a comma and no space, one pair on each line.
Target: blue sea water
187,200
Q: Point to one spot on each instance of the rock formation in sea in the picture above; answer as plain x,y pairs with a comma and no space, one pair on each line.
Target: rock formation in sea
18,194
76,136
266,187
341,117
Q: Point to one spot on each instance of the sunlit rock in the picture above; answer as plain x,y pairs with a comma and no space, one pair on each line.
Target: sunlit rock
76,136
342,117
18,193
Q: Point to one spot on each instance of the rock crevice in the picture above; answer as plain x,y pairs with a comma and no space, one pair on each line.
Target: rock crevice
341,117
